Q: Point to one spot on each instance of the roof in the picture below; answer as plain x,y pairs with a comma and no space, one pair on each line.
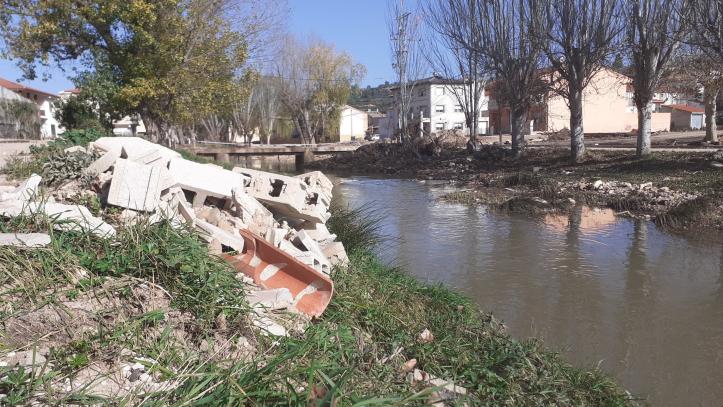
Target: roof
74,91
687,108
432,80
17,87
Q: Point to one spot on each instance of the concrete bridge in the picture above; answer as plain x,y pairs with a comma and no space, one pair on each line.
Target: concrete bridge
301,152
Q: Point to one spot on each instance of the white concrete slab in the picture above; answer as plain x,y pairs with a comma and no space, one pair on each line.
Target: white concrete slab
24,239
135,186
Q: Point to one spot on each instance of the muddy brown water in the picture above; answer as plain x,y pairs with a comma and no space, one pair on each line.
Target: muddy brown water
644,305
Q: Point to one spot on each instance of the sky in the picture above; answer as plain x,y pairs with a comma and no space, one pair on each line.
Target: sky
357,27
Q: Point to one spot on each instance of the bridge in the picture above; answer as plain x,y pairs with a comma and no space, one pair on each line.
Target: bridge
301,152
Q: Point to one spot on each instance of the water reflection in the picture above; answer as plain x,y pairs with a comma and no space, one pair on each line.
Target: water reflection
646,305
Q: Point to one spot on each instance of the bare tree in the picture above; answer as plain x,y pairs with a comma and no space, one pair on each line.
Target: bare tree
706,20
692,71
407,61
216,127
262,24
242,117
514,55
655,29
268,104
578,37
456,52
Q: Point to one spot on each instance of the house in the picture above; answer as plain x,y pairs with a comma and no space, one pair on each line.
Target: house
50,127
353,124
435,103
608,107
685,117
380,125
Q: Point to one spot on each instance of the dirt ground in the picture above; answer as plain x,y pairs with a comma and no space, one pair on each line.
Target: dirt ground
11,149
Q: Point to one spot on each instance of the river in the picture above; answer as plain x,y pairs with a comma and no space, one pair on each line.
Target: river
645,305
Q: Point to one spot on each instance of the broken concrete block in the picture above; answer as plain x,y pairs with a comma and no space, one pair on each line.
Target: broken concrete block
303,239
225,238
318,182
252,213
203,180
135,186
273,299
133,148
318,231
63,217
25,192
335,252
24,239
267,326
186,212
104,163
286,195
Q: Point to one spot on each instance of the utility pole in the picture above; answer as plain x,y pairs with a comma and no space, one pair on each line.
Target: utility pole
400,64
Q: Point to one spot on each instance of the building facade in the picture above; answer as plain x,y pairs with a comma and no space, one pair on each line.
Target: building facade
50,127
436,104
353,124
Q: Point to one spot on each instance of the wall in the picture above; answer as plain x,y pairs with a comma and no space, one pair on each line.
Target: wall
353,124
606,108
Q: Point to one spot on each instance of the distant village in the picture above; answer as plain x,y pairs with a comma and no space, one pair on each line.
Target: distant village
371,113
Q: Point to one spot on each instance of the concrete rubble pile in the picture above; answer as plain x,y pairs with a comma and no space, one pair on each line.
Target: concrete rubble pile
152,183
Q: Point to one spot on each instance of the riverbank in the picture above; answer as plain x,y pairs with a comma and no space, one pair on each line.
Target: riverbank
156,303
679,190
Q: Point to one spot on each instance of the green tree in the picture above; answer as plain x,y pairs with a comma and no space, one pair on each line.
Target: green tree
171,61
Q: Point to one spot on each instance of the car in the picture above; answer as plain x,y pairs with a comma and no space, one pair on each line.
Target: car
373,137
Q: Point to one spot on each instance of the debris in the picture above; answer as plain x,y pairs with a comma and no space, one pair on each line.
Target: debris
271,267
303,239
75,149
24,239
25,192
425,336
64,217
135,186
104,163
204,180
268,326
236,243
408,366
274,299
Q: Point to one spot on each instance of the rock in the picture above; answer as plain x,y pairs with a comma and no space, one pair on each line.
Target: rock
135,186
425,336
598,184
646,185
24,239
335,252
408,366
303,239
75,149
26,191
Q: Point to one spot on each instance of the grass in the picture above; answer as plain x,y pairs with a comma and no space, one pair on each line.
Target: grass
352,356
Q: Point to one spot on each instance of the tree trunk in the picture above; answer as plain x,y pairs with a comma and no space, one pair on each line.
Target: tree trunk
577,134
645,113
711,133
519,117
472,125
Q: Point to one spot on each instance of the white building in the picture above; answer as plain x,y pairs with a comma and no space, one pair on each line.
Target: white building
436,103
50,127
353,124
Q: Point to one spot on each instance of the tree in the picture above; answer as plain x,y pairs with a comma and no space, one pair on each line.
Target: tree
407,62
315,80
173,60
655,29
514,55
578,37
242,116
268,104
694,70
76,113
456,52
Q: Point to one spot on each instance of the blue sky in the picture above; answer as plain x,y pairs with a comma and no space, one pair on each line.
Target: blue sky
357,27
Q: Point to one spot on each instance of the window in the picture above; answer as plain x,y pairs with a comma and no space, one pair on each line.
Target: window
439,126
458,126
421,93
458,108
439,108
439,91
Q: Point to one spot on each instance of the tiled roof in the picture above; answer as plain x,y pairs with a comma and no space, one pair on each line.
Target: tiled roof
687,108
14,86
